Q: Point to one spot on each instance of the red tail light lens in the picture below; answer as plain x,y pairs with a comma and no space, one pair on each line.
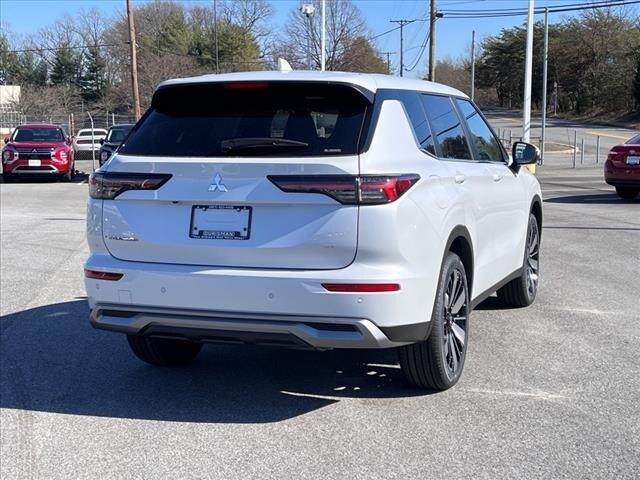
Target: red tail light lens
108,185
361,287
349,189
98,275
245,86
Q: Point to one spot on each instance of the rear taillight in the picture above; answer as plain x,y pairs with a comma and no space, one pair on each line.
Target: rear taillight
349,189
108,185
100,275
361,287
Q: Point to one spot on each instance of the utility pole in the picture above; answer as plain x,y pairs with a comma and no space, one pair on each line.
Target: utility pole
402,23
388,54
432,41
134,62
544,83
526,105
473,62
322,37
215,33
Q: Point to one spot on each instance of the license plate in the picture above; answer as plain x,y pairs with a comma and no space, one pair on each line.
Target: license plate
220,222
34,163
633,160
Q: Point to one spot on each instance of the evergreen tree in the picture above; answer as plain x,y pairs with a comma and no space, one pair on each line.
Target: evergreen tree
93,84
65,66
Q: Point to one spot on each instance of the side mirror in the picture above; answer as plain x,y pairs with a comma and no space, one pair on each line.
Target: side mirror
68,140
525,153
6,139
102,141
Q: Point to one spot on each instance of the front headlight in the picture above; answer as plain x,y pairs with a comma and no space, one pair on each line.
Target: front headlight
9,155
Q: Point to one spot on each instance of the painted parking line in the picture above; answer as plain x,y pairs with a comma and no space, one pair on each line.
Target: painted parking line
610,135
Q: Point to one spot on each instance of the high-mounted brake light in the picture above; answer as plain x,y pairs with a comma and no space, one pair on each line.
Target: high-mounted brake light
245,86
108,185
99,275
349,189
361,287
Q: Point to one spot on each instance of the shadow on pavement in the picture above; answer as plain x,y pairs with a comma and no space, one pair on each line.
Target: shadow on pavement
53,361
592,199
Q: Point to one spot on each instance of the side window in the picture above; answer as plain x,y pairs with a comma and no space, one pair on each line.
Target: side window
446,127
411,102
485,142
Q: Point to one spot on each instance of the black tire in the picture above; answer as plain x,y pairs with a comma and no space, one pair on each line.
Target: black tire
437,362
627,193
164,352
7,178
522,291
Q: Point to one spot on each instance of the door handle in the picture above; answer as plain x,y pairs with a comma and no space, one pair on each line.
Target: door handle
497,177
459,178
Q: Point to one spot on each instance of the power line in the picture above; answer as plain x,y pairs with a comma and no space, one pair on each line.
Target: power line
459,14
66,47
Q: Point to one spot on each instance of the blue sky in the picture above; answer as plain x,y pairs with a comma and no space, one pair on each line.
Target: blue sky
453,35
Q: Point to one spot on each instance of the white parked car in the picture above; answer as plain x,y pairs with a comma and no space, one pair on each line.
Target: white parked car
311,210
87,140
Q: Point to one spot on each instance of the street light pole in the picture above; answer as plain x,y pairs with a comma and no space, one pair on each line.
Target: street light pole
544,83
473,62
307,10
323,37
526,106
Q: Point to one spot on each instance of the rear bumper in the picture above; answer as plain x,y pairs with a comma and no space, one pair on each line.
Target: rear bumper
317,333
626,176
204,302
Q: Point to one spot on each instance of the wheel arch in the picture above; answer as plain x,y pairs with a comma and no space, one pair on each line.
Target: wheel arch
536,209
459,242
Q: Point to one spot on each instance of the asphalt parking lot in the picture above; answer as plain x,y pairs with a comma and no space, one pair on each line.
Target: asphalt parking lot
548,391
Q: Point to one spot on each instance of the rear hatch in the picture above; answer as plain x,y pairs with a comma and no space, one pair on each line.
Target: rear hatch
218,144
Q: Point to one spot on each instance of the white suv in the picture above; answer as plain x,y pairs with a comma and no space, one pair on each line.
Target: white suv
310,210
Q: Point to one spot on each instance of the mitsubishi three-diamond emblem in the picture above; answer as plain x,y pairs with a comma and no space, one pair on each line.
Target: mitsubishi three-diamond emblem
217,184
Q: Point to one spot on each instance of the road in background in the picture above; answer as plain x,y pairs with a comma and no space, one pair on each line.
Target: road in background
548,391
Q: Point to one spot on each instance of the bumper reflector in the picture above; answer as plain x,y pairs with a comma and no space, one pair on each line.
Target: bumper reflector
361,287
102,275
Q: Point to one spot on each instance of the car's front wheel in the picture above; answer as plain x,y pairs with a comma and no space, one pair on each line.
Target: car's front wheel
164,352
522,291
627,193
437,362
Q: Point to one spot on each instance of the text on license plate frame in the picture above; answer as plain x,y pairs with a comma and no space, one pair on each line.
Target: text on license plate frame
633,160
238,226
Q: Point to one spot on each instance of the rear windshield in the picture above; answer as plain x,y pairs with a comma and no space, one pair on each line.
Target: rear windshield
634,140
250,118
38,135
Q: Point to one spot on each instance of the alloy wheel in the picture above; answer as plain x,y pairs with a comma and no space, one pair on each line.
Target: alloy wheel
533,257
456,314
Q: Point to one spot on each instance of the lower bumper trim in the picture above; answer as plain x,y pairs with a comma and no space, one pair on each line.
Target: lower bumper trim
233,327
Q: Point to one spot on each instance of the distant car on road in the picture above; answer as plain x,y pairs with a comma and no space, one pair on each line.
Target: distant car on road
87,142
116,135
622,168
38,149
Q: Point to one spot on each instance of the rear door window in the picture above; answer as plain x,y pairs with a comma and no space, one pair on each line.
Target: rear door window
251,119
418,120
446,126
483,139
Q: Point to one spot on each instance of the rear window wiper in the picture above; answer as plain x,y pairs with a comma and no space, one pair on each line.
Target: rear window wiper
250,143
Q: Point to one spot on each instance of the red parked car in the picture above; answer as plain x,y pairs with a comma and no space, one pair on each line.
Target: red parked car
38,149
622,168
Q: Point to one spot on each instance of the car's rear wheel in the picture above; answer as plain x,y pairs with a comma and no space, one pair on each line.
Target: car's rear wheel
627,193
164,352
437,362
522,291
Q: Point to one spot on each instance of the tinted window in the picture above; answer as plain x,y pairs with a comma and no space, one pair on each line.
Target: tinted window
117,135
446,127
413,106
38,135
486,144
200,120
